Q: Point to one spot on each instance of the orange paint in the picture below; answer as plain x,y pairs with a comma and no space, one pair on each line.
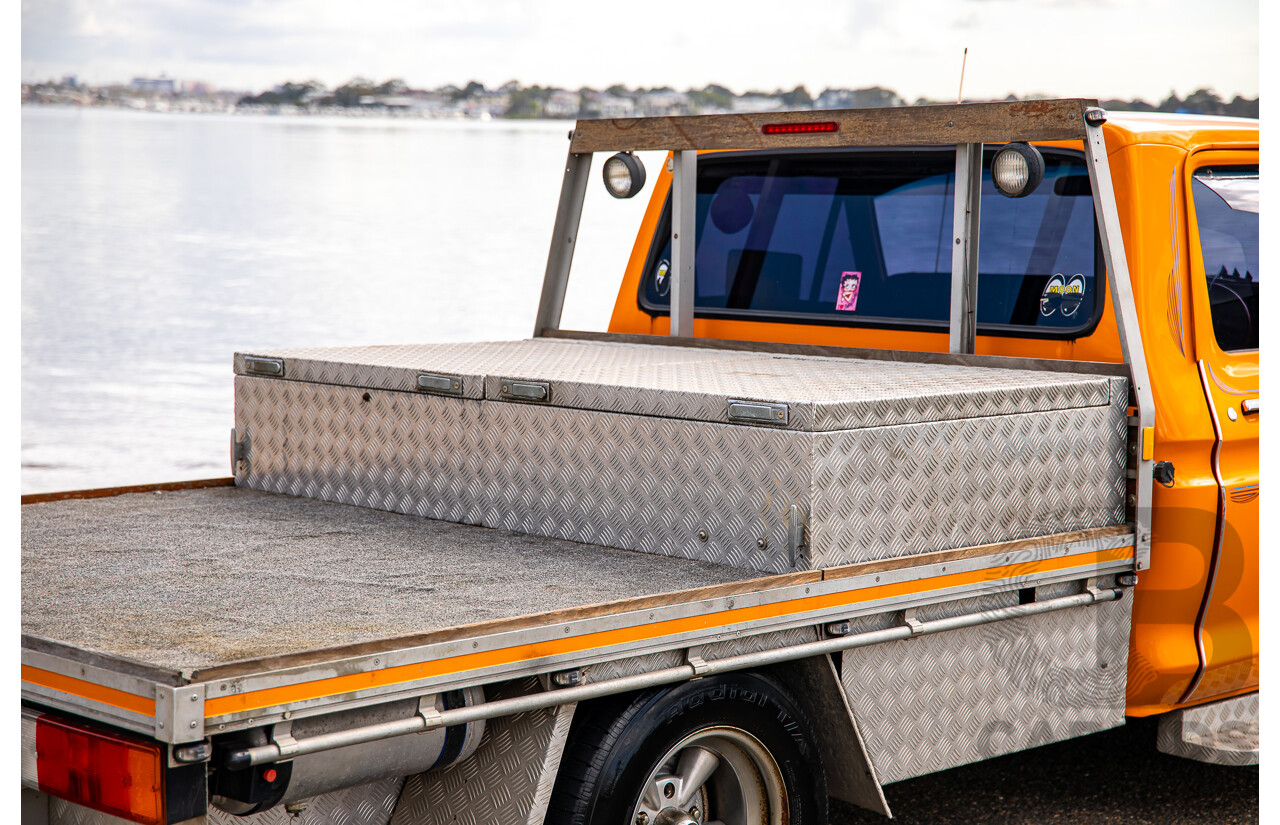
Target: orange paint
88,690
272,697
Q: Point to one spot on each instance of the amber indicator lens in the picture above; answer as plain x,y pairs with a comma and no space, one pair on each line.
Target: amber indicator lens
105,771
799,128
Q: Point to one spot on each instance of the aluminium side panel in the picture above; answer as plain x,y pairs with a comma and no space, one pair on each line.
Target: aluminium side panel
935,702
690,489
883,492
509,779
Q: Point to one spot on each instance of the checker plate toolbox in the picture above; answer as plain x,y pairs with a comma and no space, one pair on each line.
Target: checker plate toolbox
769,462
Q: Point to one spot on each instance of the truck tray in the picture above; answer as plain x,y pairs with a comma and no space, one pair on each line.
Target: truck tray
249,606
768,462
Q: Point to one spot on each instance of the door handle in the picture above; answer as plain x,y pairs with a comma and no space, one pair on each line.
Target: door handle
1249,406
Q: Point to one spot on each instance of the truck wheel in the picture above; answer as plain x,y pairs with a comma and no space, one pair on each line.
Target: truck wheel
733,749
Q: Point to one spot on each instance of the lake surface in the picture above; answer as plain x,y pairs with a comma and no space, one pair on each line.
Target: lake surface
156,245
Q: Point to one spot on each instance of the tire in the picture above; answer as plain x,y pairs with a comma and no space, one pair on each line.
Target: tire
754,748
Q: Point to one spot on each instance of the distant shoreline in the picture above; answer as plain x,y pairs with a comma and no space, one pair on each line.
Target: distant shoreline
360,98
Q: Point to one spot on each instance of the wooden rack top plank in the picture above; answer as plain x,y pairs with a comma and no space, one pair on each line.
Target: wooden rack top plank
936,125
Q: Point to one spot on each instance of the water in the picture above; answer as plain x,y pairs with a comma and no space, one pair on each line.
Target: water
154,246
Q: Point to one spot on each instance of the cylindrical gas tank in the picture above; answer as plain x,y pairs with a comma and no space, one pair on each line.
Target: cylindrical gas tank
265,786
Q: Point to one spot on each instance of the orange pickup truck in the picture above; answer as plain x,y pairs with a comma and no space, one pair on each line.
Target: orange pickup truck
918,436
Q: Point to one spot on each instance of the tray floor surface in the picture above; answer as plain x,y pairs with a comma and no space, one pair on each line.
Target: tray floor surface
192,579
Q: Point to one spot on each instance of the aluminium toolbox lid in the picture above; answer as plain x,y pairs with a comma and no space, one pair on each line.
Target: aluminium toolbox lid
794,392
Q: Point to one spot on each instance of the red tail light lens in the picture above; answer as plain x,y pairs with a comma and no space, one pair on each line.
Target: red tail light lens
108,772
799,128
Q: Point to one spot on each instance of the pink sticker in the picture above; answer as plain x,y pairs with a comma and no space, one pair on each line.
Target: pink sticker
847,297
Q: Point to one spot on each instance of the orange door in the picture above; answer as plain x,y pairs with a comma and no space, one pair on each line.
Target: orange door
1222,218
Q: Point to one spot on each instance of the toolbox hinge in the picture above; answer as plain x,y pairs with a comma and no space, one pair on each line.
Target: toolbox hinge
797,547
240,452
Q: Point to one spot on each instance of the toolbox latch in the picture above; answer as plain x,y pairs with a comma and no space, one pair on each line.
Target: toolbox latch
525,390
758,412
264,366
442,384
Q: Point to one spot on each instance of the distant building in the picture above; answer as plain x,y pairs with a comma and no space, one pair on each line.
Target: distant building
757,103
612,106
154,85
562,103
664,103
857,99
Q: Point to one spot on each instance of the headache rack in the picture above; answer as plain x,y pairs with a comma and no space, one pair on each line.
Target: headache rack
966,126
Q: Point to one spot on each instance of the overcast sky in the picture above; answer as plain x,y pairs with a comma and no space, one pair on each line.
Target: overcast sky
1087,48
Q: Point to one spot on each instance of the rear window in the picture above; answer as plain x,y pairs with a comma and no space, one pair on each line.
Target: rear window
1226,200
864,239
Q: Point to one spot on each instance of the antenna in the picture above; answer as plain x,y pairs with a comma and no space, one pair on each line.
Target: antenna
960,91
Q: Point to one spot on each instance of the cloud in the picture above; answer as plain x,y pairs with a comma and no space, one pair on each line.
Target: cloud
911,46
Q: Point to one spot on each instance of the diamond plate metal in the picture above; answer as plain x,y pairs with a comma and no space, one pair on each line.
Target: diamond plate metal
673,382
370,804
696,489
622,481
508,780
397,367
898,491
1222,733
938,701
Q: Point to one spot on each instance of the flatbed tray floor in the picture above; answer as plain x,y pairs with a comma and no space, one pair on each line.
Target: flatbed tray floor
193,579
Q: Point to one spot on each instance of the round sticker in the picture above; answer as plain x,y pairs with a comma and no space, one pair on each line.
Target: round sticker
1052,295
1073,296
1062,295
662,281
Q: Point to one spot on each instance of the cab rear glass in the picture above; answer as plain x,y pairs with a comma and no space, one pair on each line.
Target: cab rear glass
864,239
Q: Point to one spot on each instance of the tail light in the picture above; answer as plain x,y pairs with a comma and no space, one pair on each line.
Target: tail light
96,768
800,128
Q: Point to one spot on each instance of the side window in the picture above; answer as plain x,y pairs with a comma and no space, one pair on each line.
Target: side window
863,239
1226,204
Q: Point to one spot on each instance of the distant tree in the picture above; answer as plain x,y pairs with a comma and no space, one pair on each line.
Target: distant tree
349,93
1241,107
618,90
710,97
797,98
1135,105
1172,103
528,103
1204,102
394,86
471,90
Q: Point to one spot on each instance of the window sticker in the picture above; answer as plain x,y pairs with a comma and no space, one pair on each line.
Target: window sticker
661,281
1062,295
847,297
